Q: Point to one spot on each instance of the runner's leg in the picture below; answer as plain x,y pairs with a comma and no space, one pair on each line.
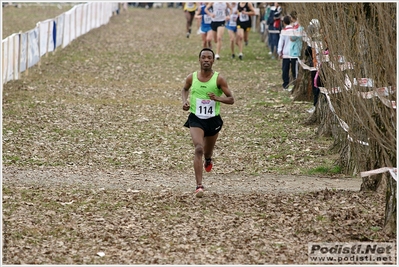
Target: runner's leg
197,135
219,36
210,142
240,38
209,36
232,40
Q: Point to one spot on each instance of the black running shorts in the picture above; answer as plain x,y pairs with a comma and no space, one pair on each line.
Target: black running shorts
210,126
216,24
245,25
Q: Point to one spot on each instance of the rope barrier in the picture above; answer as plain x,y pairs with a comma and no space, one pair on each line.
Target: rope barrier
392,171
381,93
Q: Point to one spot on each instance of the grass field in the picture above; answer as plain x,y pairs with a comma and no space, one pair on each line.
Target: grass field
146,69
106,111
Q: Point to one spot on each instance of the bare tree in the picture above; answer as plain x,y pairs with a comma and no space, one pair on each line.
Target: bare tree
357,106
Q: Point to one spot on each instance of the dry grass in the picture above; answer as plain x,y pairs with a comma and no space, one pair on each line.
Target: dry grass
110,103
28,14
111,110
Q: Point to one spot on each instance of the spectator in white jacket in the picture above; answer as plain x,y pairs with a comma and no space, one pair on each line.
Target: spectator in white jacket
283,51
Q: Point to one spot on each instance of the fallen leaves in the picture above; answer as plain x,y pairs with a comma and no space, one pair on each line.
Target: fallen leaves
165,227
98,166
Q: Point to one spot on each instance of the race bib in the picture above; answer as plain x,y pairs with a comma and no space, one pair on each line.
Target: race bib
244,17
233,20
207,19
205,108
220,15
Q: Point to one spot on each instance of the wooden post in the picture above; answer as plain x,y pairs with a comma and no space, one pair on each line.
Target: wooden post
81,20
14,73
70,29
96,15
38,40
48,36
8,58
254,17
19,53
63,30
27,55
4,64
76,26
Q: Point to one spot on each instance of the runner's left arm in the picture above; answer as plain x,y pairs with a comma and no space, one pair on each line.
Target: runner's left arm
228,97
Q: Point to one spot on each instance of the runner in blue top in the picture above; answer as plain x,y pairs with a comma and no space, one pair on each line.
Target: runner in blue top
231,26
206,30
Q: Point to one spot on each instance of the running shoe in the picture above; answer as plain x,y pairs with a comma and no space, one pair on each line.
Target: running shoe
312,109
208,165
233,56
199,191
289,88
240,56
188,35
217,56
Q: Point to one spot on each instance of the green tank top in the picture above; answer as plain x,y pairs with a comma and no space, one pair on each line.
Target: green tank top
200,103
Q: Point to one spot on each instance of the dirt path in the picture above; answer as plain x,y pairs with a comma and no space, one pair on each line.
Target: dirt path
70,215
220,183
124,181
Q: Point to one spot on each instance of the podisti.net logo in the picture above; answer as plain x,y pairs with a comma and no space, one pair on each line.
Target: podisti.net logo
356,252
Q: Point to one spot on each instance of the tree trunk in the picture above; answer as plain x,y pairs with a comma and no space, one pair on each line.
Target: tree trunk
380,183
390,207
302,90
326,118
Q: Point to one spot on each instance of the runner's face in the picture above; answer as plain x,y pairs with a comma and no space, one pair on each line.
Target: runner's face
206,60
